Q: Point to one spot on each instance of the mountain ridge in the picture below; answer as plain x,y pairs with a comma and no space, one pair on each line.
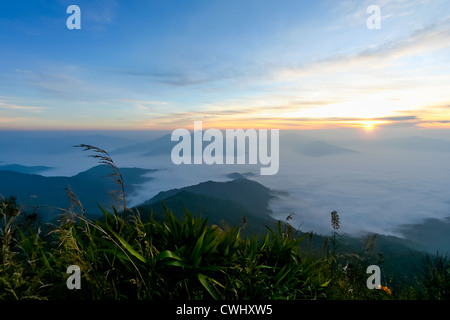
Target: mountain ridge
398,256
49,193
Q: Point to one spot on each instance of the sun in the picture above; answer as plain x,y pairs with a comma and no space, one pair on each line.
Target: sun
369,125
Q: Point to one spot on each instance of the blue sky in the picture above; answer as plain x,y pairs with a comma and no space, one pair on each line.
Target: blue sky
163,64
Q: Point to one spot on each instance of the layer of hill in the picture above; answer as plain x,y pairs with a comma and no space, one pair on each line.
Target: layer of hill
236,202
230,201
24,169
92,187
250,194
240,202
303,145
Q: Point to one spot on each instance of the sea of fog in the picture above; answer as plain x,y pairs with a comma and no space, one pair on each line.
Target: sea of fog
375,189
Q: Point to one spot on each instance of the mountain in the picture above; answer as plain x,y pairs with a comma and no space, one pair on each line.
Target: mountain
219,201
161,145
304,145
398,258
433,234
321,148
250,194
317,148
230,201
49,143
310,146
411,143
217,211
24,169
49,195
419,143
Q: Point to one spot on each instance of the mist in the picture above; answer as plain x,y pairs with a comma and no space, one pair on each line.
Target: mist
374,184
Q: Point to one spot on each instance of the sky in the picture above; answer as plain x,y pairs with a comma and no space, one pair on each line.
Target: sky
162,64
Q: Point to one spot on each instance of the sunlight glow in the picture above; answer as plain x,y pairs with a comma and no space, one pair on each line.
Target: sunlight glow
369,125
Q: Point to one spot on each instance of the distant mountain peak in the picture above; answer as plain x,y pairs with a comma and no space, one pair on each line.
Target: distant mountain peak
250,194
24,169
236,175
321,148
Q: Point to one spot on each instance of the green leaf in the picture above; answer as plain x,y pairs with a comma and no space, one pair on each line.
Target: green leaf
196,253
326,284
46,262
26,244
129,248
167,254
178,263
204,280
104,212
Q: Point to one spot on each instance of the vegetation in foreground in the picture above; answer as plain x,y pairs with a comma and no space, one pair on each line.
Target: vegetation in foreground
131,255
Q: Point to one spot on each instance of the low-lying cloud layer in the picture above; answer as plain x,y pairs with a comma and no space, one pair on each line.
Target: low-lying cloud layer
388,186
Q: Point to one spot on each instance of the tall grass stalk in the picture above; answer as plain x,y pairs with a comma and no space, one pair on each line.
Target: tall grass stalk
103,157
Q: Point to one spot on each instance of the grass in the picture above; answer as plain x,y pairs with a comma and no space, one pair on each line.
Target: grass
130,255
125,258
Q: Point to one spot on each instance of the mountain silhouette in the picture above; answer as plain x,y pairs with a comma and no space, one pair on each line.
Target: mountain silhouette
92,187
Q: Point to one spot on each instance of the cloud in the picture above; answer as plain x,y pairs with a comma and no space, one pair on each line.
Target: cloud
71,83
397,118
9,106
375,190
59,85
10,119
178,78
269,114
144,105
354,12
142,101
97,15
421,41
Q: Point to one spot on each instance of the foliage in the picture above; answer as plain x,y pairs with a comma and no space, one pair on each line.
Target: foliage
436,279
125,258
122,257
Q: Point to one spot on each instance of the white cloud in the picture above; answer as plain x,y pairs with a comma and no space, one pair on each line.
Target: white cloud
422,41
8,106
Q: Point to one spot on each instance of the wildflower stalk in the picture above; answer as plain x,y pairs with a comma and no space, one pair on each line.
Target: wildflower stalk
335,224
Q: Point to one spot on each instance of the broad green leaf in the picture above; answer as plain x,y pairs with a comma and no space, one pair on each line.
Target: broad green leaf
167,254
46,262
198,246
178,263
204,281
26,244
129,248
326,284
